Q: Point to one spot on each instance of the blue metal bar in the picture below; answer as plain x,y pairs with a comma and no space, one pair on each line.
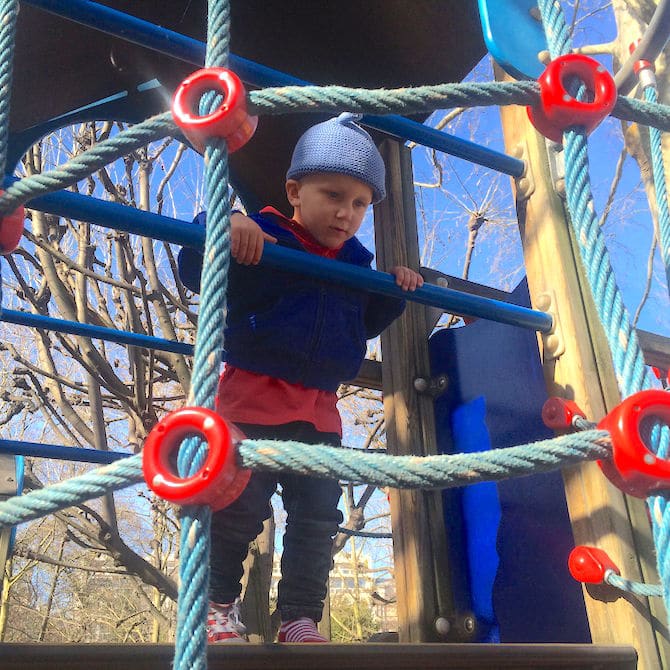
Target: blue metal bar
58,452
95,332
185,48
119,217
382,282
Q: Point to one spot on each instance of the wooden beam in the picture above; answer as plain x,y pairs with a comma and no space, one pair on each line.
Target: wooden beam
577,365
321,656
8,488
421,565
656,349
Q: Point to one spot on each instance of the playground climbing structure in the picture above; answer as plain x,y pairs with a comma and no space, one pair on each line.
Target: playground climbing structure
212,459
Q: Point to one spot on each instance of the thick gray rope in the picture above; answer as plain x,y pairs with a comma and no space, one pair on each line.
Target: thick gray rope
88,162
407,472
287,99
283,99
316,98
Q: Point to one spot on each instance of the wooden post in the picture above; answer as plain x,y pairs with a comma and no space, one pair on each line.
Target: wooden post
577,365
8,488
421,569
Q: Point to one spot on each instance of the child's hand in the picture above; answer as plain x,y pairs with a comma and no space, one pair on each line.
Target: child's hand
407,279
246,239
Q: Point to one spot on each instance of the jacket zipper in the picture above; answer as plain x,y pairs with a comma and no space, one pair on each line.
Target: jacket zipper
318,324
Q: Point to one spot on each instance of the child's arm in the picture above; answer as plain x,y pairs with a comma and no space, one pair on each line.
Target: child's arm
247,239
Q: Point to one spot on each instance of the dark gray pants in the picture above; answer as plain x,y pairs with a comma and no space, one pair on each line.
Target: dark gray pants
312,521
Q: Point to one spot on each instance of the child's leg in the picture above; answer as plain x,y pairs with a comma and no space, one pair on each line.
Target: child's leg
233,528
312,521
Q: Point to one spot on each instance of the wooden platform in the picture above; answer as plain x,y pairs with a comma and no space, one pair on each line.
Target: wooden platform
322,657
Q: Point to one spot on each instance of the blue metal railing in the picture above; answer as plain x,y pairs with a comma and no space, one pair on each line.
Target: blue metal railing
55,451
127,219
95,332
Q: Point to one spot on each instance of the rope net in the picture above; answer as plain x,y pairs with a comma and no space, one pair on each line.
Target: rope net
400,472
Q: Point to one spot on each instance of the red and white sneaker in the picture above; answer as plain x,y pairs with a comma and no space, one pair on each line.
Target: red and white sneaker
300,630
224,625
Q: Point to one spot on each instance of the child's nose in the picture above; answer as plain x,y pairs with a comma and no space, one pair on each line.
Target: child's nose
344,211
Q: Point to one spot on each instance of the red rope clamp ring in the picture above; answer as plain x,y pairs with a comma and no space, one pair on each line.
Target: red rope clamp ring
558,110
560,413
635,469
590,564
230,120
218,483
644,69
11,229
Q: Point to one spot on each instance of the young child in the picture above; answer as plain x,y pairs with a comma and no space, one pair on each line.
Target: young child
290,341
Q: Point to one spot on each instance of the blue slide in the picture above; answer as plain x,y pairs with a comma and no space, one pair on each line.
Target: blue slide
509,542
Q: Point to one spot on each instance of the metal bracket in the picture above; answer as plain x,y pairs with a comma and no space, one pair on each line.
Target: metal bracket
553,341
7,476
525,184
8,488
556,167
431,386
458,627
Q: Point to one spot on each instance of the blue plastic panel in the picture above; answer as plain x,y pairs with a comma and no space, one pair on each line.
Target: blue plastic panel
509,542
513,36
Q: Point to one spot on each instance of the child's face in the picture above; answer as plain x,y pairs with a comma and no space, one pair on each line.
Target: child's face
330,206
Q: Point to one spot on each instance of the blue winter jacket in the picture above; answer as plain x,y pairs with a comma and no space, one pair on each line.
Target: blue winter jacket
301,329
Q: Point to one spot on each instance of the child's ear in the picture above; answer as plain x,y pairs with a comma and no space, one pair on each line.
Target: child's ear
293,192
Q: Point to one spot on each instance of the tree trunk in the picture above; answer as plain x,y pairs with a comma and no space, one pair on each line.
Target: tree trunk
258,569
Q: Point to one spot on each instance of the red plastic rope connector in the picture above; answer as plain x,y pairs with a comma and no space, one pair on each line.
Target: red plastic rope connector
634,468
558,110
590,564
643,63
230,120
218,483
560,413
11,229
644,69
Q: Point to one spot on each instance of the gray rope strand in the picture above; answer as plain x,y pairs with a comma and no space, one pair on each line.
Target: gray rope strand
636,588
93,484
410,472
647,113
9,10
88,162
288,99
424,472
388,101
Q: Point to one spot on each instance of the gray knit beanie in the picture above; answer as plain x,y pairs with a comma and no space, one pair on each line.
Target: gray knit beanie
342,146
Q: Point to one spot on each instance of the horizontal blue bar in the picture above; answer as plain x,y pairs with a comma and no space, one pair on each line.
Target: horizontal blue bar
118,217
130,220
95,332
451,301
59,452
185,48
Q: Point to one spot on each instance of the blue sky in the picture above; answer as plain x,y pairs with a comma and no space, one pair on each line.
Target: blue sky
498,260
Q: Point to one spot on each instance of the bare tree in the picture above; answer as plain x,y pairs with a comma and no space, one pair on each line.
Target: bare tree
74,391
